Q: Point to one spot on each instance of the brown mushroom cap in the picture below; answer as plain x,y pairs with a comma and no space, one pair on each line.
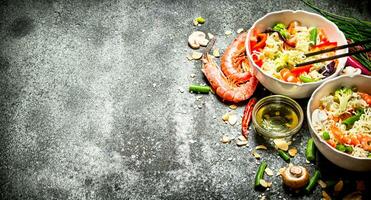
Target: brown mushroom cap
295,177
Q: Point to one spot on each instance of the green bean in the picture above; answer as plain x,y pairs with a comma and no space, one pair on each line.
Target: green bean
199,88
313,181
284,155
326,135
310,152
350,120
260,173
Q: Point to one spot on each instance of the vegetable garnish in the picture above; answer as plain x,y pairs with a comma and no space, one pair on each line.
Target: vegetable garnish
313,181
260,173
310,151
284,155
199,89
247,113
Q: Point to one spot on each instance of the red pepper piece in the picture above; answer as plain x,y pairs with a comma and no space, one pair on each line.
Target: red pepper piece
299,70
261,38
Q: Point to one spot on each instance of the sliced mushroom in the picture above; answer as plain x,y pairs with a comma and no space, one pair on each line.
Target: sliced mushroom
295,177
197,39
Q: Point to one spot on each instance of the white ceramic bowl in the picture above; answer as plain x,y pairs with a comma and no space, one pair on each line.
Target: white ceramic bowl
339,158
295,90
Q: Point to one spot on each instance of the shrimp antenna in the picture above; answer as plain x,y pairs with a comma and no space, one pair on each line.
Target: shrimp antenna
209,46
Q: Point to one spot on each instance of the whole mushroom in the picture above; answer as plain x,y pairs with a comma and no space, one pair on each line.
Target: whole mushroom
295,177
197,39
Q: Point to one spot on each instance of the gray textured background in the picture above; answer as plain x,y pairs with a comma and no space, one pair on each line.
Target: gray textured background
90,106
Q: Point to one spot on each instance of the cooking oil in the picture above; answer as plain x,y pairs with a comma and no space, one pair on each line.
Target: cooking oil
277,117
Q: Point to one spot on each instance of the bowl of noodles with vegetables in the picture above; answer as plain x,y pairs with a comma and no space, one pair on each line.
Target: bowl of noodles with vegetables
280,41
339,118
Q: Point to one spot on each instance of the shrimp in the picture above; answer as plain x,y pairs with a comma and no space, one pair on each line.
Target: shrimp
365,97
232,59
363,140
225,88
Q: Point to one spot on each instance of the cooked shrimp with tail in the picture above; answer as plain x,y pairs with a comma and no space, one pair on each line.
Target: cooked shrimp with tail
226,87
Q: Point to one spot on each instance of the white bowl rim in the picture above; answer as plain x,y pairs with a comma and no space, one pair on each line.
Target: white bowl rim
309,117
292,11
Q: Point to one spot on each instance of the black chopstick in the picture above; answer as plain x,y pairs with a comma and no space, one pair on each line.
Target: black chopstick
338,47
332,57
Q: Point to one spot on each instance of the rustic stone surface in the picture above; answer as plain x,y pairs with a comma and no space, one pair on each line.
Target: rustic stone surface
91,108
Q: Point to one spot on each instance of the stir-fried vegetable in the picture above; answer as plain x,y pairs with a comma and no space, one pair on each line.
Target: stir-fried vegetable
343,95
279,49
281,28
350,120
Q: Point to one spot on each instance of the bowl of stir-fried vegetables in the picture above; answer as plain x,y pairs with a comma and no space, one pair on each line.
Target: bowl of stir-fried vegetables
339,118
279,41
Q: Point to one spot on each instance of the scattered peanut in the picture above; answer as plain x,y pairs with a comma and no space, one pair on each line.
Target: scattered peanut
281,144
293,151
268,171
265,183
225,139
339,186
228,32
261,147
255,154
195,22
225,117
241,141
211,36
322,184
232,119
233,107
325,195
216,53
196,55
